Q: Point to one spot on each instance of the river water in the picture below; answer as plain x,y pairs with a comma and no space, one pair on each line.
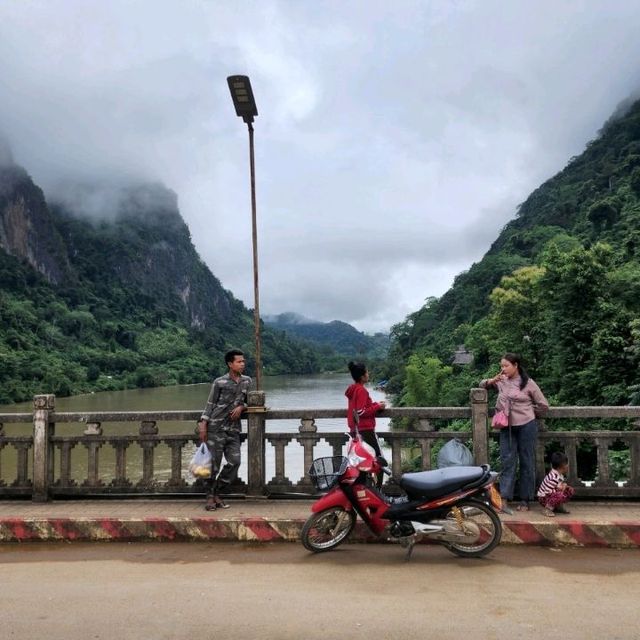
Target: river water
325,391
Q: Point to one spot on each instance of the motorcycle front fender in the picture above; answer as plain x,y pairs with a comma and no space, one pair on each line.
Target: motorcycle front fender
335,498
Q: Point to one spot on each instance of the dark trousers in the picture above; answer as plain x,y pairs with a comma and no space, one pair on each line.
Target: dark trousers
223,442
518,447
369,436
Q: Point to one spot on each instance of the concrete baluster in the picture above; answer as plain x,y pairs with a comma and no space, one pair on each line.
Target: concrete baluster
2,482
308,439
121,479
176,479
43,407
148,428
65,464
22,452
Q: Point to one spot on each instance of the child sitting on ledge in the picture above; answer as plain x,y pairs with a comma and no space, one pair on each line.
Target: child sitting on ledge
554,491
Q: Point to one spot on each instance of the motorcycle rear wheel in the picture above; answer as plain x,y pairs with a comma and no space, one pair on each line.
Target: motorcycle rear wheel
326,529
480,517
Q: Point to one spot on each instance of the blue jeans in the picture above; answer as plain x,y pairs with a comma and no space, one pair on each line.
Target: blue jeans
518,444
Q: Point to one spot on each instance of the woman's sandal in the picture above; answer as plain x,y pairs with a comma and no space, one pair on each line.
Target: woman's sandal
523,506
549,513
506,509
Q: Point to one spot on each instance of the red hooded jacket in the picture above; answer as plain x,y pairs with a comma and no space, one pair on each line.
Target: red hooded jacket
360,400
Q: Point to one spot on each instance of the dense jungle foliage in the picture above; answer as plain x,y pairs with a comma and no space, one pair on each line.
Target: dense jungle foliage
560,285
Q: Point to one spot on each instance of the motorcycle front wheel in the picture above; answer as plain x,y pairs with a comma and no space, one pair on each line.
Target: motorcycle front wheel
479,526
326,529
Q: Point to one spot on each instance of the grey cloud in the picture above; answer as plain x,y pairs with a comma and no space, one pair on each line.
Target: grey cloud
394,140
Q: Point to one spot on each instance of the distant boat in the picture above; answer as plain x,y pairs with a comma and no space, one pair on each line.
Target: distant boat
381,385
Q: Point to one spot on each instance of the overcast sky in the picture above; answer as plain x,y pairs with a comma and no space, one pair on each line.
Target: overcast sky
395,138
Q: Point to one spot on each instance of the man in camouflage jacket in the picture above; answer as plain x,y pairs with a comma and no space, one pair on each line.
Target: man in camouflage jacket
219,426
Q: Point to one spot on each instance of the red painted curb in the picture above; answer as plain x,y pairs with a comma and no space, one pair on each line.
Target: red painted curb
632,531
258,529
526,533
574,533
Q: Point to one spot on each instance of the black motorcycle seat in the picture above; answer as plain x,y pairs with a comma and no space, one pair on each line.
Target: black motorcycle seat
440,482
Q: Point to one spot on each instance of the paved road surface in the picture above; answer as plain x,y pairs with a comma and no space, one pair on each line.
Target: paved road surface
231,590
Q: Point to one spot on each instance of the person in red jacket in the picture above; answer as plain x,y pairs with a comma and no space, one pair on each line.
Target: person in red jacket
360,401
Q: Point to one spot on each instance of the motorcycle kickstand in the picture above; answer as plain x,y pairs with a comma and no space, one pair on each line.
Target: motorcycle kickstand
408,543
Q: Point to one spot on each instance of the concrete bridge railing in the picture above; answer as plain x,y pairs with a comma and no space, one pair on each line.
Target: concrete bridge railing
48,454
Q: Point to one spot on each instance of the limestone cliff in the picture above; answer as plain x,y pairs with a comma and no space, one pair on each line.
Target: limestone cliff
135,236
27,230
140,240
101,288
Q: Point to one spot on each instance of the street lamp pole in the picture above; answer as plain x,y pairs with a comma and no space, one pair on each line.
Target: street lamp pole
254,238
246,108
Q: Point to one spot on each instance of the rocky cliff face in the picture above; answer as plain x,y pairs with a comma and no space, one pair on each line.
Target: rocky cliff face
140,240
101,288
132,235
27,230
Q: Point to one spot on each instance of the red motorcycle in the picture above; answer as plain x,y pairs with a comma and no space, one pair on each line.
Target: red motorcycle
455,506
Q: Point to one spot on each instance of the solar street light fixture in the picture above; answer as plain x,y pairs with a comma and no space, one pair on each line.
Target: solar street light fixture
242,95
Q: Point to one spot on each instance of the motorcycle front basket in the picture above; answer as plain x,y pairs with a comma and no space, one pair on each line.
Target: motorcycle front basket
325,472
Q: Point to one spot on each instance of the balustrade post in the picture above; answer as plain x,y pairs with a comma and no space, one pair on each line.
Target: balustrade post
2,483
634,480
256,443
65,464
308,439
148,428
22,451
43,406
479,415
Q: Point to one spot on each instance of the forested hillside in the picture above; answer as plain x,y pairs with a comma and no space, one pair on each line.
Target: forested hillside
560,285
114,301
335,337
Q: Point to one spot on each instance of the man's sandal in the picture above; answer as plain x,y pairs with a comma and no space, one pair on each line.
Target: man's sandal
220,503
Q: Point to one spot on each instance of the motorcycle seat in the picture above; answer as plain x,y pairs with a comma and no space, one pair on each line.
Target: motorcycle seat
440,482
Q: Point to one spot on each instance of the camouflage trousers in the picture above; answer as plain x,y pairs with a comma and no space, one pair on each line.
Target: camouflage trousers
223,442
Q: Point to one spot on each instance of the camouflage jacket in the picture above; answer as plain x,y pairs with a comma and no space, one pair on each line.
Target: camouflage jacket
226,394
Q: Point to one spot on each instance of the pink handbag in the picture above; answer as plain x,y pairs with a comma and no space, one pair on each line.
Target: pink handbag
500,420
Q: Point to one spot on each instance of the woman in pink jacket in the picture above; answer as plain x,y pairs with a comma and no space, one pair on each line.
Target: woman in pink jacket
521,399
360,401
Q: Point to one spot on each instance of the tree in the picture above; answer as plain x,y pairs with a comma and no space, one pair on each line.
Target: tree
425,377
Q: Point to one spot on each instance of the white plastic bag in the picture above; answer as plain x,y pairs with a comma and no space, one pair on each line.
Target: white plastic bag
454,454
200,465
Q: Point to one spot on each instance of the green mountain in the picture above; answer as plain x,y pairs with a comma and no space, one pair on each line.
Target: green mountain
113,301
340,337
560,285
